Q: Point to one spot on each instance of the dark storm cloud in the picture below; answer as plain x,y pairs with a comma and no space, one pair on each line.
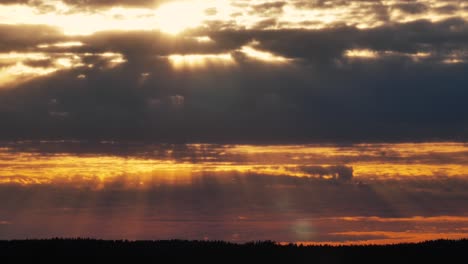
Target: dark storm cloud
147,43
329,44
20,38
321,95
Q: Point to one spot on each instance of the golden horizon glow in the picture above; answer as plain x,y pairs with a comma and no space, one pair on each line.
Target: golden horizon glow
174,171
392,238
413,229
419,219
269,160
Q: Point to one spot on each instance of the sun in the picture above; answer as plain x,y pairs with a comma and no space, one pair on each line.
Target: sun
176,17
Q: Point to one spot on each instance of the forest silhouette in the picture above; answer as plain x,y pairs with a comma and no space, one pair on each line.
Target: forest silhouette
181,251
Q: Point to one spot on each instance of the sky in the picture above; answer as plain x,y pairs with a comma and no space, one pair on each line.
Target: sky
295,121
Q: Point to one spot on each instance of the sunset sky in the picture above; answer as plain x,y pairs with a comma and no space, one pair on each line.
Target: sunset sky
295,121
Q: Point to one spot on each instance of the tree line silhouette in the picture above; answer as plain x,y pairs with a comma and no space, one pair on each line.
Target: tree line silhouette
181,251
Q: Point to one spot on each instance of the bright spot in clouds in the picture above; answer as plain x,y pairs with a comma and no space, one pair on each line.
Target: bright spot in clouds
183,61
263,55
199,60
175,17
61,45
22,67
361,53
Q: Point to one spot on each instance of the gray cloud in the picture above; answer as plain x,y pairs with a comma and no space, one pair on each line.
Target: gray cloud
88,4
320,96
21,37
329,44
268,8
447,9
412,8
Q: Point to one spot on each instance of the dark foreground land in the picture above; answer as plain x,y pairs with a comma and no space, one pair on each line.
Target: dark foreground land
177,251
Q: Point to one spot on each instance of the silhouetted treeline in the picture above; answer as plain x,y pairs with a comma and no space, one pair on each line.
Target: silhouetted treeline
179,251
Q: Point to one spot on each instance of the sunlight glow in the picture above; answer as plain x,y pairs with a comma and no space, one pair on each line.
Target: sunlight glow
403,161
15,56
18,70
203,39
200,60
263,55
367,54
192,61
361,53
19,73
114,59
22,67
178,16
390,238
61,45
73,22
453,61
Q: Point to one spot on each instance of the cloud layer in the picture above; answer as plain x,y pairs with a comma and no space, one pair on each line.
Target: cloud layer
220,81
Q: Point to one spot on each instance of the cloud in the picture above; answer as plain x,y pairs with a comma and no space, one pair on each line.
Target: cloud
393,162
330,44
91,4
395,82
21,37
233,15
412,8
341,173
447,9
268,8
